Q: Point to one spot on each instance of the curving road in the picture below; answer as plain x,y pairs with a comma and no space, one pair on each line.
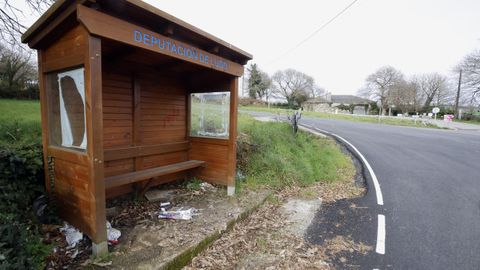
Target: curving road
430,180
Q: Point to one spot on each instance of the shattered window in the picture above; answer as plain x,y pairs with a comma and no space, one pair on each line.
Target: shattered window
210,114
66,109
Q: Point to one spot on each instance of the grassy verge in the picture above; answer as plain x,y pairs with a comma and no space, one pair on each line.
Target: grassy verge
270,155
473,122
366,119
19,121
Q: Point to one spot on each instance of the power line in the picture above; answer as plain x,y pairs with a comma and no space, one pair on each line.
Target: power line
315,32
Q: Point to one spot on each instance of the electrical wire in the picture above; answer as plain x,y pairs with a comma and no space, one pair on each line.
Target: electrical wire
314,33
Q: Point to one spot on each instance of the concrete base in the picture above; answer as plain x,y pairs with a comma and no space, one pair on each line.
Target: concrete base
231,190
99,248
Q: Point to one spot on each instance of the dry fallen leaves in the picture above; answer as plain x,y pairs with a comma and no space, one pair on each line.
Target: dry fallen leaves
260,242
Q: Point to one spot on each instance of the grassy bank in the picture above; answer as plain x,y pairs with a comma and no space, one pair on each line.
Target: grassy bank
367,119
270,155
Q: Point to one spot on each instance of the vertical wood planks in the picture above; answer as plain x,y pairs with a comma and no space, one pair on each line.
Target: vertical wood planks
94,116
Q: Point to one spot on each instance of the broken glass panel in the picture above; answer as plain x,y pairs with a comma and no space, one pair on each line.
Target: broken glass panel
66,106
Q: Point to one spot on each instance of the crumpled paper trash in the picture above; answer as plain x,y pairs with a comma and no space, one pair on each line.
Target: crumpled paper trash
72,235
181,214
112,234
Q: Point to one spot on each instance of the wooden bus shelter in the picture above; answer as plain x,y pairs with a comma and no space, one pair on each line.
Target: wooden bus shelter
131,97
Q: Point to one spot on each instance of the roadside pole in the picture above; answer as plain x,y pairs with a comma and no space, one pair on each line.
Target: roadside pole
458,94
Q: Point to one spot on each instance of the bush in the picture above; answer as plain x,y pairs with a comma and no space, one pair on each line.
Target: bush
251,101
21,181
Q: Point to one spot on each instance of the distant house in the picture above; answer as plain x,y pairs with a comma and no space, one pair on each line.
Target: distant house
338,103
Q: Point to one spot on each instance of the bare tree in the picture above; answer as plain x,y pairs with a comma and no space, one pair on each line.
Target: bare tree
404,95
470,66
431,85
11,13
292,85
317,91
379,85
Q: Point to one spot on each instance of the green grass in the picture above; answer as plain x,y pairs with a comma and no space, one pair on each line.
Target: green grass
366,119
276,158
19,121
473,122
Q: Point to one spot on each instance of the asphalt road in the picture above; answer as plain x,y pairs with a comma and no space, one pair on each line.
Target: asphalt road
430,180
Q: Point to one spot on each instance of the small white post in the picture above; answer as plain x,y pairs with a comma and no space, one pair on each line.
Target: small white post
100,248
230,190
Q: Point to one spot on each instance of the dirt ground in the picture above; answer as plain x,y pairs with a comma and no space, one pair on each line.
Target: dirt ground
271,238
148,242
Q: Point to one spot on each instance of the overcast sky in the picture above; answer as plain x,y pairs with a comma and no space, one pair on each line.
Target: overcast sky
415,36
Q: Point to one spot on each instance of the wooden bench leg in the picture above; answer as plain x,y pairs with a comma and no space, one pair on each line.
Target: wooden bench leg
141,191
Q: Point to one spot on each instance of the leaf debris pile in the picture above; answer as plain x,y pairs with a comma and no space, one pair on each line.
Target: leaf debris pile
260,242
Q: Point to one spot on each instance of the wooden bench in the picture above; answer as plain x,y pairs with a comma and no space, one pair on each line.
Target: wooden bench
133,177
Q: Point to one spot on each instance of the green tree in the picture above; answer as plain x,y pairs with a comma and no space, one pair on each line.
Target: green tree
258,82
17,73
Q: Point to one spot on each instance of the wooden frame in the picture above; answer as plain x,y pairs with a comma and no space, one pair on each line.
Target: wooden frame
137,115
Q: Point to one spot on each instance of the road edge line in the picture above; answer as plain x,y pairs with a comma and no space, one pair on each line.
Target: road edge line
376,184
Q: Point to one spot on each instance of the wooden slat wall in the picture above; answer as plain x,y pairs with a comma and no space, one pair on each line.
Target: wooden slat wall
68,51
158,118
215,153
74,175
117,109
117,121
163,114
73,192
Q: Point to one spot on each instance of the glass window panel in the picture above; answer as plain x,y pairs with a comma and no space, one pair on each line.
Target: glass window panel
210,114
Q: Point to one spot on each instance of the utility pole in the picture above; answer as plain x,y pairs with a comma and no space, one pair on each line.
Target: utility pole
458,94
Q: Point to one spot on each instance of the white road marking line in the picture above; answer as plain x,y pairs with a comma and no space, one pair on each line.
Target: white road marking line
378,191
381,231
381,235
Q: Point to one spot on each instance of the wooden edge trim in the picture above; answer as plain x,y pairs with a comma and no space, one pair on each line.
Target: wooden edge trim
206,140
100,24
190,27
56,21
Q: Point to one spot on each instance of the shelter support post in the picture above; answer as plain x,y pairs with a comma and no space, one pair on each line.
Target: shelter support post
232,144
94,113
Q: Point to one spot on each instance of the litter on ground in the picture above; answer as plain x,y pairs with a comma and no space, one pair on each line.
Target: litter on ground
112,234
72,235
180,213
